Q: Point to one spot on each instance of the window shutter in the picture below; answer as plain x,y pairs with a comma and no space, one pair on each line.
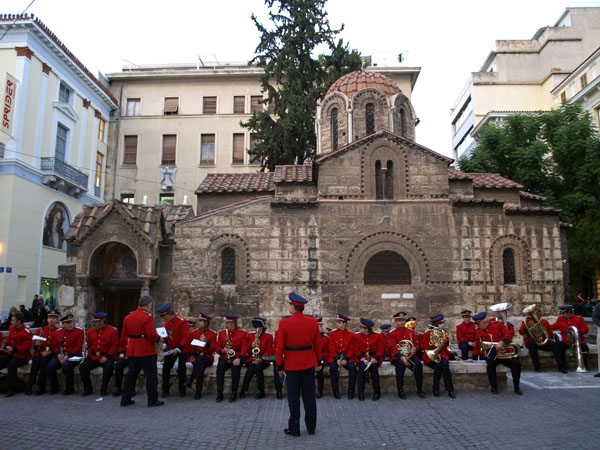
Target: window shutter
169,146
255,104
238,148
210,105
130,155
171,105
239,104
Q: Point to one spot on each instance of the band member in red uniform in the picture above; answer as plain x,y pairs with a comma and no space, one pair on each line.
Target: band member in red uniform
550,346
232,346
120,364
441,367
201,357
16,351
496,332
276,380
102,343
465,335
401,362
342,353
369,347
140,334
256,350
566,320
324,356
42,354
66,343
299,354
385,334
174,344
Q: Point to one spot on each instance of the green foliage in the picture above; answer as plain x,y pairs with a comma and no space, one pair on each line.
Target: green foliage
294,79
555,154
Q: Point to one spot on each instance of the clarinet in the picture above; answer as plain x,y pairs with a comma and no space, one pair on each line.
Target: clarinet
85,352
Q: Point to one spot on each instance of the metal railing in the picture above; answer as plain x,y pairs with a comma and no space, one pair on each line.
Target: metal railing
65,171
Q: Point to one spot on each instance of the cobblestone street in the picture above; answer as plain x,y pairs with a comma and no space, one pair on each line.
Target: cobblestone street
475,419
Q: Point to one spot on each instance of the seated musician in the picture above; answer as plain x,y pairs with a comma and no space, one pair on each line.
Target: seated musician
324,354
201,357
369,347
562,324
385,334
258,347
16,351
465,335
498,333
533,345
436,347
402,361
342,353
174,346
232,346
67,343
42,354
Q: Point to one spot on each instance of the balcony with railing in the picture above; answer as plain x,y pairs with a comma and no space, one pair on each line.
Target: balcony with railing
62,176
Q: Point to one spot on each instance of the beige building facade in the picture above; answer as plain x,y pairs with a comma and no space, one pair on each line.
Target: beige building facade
53,148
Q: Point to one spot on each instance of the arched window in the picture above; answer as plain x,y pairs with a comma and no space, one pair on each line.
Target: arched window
387,267
389,180
334,129
378,181
403,122
508,263
228,266
370,118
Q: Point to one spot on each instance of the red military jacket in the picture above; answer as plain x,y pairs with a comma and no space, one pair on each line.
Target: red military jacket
44,346
239,343
465,332
496,332
370,346
139,333
341,342
426,345
563,325
178,331
298,331
18,342
324,348
209,336
265,342
102,343
401,334
71,342
523,331
509,326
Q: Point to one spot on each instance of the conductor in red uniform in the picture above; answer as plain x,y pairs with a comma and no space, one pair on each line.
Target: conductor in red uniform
299,355
140,334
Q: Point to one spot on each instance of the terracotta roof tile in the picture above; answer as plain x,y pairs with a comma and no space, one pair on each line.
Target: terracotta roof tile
293,174
236,182
530,196
483,180
353,82
535,209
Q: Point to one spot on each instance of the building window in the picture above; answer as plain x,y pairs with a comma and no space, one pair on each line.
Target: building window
255,103
334,129
133,106
101,125
61,142
253,159
239,104
166,199
238,148
127,198
584,81
378,181
370,118
169,149
171,105
98,174
209,105
389,181
563,96
207,149
228,266
403,122
64,93
387,267
508,264
130,154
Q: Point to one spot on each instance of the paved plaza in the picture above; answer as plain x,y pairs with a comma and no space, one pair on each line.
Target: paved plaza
544,417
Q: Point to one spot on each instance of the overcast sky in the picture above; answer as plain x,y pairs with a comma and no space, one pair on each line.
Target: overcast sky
447,39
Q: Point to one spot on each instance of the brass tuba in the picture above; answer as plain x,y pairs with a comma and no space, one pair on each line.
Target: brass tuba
535,327
575,345
501,309
256,346
437,337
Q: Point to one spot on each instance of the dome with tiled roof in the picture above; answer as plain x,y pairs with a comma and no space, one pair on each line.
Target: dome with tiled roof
353,82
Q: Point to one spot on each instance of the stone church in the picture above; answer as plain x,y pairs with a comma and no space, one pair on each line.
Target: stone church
374,224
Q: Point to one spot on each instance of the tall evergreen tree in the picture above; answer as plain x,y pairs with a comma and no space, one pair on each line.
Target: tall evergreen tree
294,79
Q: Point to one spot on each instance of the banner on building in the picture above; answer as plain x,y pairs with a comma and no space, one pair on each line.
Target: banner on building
10,91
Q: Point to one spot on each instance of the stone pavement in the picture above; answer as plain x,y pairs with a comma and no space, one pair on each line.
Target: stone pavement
476,419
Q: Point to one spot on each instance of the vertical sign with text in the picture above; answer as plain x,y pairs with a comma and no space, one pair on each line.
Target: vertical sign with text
10,90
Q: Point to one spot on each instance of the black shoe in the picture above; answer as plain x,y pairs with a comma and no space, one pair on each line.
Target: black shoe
28,392
68,392
597,375
311,432
127,402
376,396
103,393
53,391
336,395
402,395
198,396
518,391
361,397
319,394
436,393
451,394
156,403
289,432
259,395
39,392
350,395
494,391
242,394
219,398
85,393
420,394
28,389
279,395
564,370
117,393
233,398
537,369
9,394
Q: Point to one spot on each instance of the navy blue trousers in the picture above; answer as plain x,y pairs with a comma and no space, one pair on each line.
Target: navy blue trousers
301,382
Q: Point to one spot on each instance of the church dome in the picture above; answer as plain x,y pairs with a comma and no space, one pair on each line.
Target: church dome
353,82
